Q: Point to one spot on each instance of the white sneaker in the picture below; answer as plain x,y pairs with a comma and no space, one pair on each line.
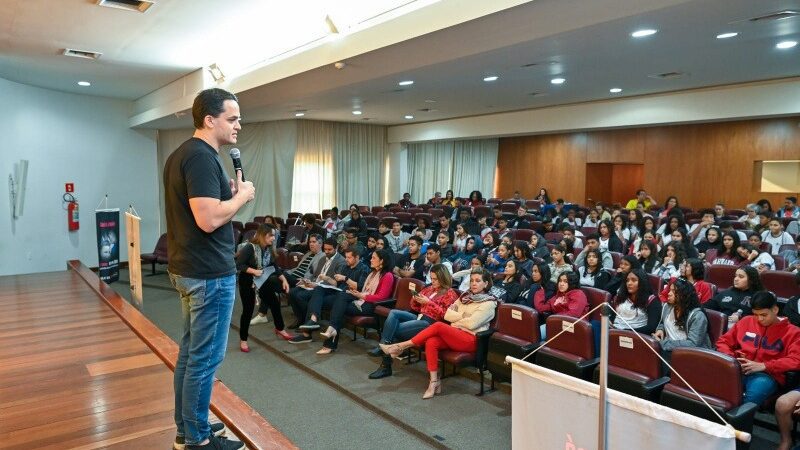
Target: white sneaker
259,319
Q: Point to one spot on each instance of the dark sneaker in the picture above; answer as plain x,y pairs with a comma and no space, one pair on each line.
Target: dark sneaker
217,443
310,325
299,339
295,325
217,429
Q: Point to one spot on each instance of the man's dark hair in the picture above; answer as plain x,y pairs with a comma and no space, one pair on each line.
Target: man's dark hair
763,300
352,251
351,230
309,218
594,236
330,241
416,239
210,102
435,247
792,199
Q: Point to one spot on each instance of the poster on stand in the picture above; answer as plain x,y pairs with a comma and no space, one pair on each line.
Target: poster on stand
108,244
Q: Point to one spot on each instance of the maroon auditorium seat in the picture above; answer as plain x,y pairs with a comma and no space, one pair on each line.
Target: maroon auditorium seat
366,321
633,367
516,334
717,325
782,284
720,275
573,352
159,254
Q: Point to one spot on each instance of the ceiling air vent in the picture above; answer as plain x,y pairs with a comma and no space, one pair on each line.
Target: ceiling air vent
128,5
667,75
81,53
778,15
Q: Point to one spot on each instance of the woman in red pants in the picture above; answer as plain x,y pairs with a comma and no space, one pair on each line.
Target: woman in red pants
468,315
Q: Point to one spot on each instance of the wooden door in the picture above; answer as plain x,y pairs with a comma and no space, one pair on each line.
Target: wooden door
598,183
613,183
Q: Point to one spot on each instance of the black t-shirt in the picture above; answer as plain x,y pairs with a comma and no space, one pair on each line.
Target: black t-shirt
195,170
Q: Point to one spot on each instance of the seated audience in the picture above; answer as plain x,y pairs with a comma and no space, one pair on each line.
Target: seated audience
711,241
332,222
750,219
560,262
540,285
323,273
543,198
683,322
397,238
591,271
766,346
775,236
405,202
593,243
673,222
673,257
626,265
411,264
520,220
462,276
423,227
792,308
496,261
433,256
509,287
736,301
648,256
468,315
635,307
351,242
449,199
460,238
522,255
444,244
792,256
641,197
436,200
728,253
790,208
759,259
672,202
593,219
568,300
538,247
309,261
475,199
620,224
427,307
378,286
680,237
608,238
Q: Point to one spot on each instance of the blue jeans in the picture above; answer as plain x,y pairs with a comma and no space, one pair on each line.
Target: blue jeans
759,387
401,325
206,307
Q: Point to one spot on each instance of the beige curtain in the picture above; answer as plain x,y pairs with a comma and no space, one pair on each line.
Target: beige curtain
313,167
474,164
463,166
359,160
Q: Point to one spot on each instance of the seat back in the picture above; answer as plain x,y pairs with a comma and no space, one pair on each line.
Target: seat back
518,321
616,257
248,235
423,215
483,210
161,246
404,217
372,221
588,230
713,375
721,275
655,283
523,235
553,236
402,293
595,297
577,342
717,324
782,284
509,207
780,262
294,233
283,258
293,259
711,254
627,351
436,213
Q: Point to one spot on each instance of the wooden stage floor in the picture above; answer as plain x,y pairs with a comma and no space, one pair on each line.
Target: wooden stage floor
72,374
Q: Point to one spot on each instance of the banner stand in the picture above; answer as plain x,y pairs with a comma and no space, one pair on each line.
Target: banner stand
132,221
107,242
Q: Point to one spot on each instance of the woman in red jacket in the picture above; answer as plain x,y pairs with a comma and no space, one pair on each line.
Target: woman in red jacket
693,270
377,287
568,300
766,346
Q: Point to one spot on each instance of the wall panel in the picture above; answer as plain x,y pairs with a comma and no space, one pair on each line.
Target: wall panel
699,163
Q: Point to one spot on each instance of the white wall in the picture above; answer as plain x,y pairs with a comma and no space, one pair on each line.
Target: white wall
79,139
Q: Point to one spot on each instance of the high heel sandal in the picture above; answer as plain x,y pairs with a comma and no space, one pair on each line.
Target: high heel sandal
329,333
244,347
392,350
325,351
434,387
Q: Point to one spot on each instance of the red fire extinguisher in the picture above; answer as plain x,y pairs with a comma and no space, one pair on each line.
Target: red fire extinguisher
73,222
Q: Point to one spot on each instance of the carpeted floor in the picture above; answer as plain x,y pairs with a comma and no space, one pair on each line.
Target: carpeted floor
323,402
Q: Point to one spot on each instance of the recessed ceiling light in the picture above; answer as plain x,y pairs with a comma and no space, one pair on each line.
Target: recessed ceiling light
558,80
615,90
357,112
491,78
409,116
643,33
84,83
727,35
299,114
783,45
406,83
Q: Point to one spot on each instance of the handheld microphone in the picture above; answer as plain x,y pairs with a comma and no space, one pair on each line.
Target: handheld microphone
237,162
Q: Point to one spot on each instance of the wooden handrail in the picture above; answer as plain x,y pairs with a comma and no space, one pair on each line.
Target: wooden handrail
245,422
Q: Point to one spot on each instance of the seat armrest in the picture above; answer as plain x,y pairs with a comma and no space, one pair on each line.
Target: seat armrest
589,363
792,380
658,383
389,303
483,347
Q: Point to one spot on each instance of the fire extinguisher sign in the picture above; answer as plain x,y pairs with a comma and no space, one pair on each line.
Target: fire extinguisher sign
108,244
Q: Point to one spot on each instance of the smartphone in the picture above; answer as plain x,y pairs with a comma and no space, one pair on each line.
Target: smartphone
412,288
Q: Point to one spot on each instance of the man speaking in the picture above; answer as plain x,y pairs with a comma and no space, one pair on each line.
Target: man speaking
200,202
